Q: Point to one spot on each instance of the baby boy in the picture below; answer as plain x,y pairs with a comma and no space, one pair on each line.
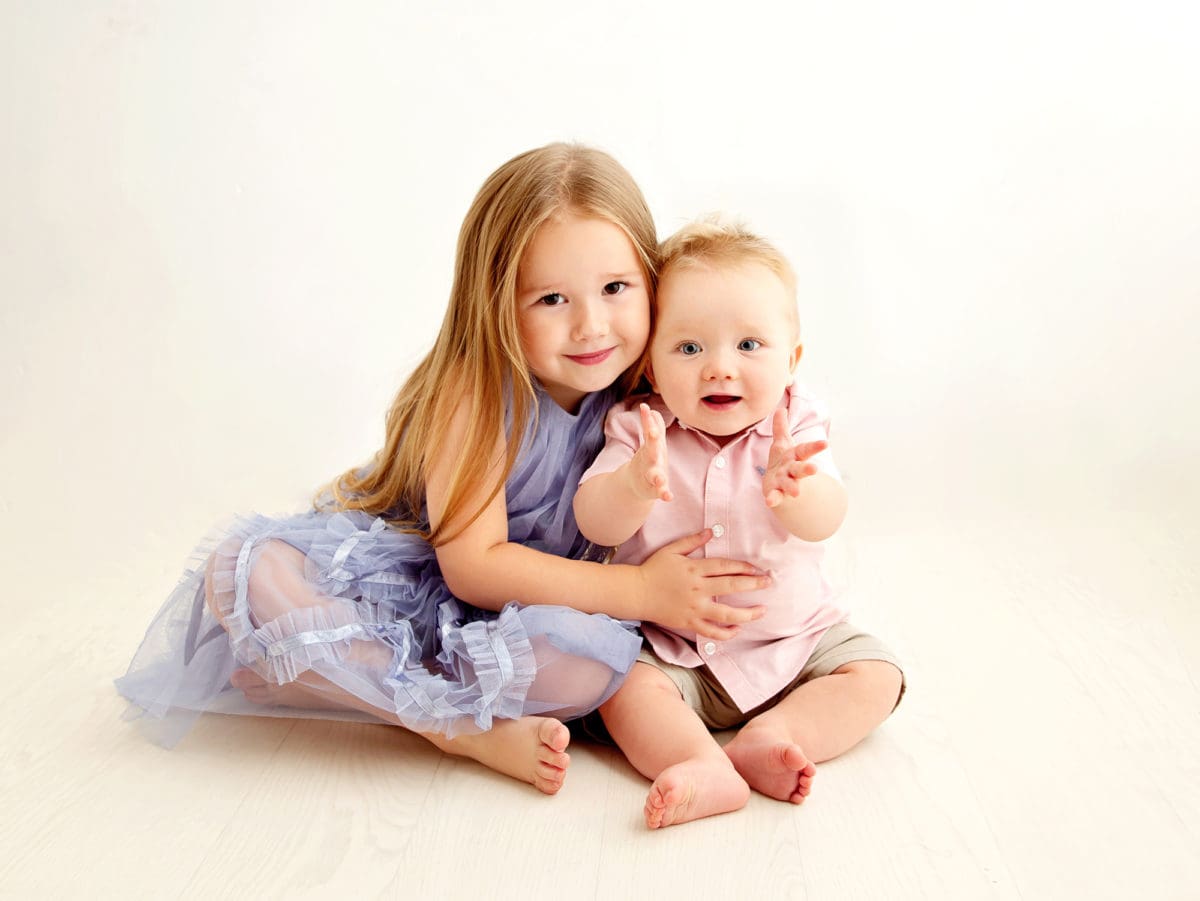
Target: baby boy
730,443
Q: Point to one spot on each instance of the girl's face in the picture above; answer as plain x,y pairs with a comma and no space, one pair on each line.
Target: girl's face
583,306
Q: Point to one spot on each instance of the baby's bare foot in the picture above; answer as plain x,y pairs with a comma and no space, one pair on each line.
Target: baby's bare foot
772,765
532,749
700,787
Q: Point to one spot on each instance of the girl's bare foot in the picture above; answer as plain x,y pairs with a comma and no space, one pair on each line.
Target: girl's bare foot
772,765
532,749
700,787
291,694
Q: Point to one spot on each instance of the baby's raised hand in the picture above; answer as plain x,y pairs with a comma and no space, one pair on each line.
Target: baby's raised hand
786,464
648,467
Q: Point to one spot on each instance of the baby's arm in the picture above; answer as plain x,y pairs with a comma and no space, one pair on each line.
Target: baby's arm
810,504
482,567
612,506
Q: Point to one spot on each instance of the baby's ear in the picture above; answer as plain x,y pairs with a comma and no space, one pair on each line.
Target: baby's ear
797,351
650,377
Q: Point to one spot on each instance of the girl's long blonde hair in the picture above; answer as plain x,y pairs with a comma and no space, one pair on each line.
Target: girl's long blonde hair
478,350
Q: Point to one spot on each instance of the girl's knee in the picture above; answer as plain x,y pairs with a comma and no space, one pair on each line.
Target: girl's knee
218,578
274,578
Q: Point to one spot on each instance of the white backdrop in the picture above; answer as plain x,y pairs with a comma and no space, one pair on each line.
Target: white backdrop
226,232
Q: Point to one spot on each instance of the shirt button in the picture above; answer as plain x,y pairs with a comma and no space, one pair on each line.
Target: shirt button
718,530
719,462
710,648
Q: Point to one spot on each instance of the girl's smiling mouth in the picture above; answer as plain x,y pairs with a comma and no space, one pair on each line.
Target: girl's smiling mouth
591,359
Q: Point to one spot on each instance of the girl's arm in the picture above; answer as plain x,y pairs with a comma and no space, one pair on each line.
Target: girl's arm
482,567
612,506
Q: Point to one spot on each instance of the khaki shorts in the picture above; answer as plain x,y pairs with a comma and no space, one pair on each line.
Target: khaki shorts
841,644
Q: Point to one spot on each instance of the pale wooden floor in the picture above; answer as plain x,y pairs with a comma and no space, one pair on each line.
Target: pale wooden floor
1047,749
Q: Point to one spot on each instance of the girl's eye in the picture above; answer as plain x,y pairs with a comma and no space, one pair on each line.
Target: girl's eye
615,287
689,348
552,300
749,344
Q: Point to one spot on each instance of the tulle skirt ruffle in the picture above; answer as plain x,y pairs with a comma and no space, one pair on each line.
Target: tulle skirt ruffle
339,616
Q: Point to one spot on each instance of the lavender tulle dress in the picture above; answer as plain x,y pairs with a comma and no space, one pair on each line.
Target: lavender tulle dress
359,613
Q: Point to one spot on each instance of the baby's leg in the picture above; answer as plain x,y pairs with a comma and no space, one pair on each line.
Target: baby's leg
820,720
532,749
666,742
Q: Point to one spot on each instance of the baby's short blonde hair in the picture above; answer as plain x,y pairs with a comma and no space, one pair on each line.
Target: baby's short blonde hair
713,241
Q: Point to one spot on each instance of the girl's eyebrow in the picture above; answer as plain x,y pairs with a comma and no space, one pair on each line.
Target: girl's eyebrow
607,277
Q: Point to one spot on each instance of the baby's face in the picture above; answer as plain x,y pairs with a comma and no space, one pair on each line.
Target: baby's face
724,346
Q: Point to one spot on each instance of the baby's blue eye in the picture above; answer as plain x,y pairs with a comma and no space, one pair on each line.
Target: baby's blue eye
749,344
552,300
689,348
615,287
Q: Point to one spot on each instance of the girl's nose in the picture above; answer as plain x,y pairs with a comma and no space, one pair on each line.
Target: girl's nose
591,322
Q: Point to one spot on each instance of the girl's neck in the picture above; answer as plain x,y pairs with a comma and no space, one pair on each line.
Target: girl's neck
565,399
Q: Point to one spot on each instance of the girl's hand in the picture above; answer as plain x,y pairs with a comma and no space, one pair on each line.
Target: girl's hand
648,467
786,465
679,591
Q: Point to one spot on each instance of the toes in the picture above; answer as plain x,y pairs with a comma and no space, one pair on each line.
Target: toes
553,758
792,758
655,807
672,798
554,735
548,779
551,773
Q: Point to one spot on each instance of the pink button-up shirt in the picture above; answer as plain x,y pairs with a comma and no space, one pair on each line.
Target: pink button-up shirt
720,487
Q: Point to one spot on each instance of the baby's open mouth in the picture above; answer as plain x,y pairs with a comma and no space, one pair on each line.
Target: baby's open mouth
720,401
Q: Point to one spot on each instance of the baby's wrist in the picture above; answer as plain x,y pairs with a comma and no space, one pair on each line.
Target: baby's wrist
636,485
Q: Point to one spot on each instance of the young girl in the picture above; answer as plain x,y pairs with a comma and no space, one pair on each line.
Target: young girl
396,597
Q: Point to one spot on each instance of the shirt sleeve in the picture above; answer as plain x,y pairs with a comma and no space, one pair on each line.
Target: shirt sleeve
809,419
622,438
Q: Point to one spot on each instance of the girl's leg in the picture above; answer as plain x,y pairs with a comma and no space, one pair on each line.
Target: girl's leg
817,722
666,742
532,748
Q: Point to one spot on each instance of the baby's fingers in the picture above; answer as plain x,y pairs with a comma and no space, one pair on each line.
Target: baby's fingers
779,427
809,449
647,417
797,471
658,480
